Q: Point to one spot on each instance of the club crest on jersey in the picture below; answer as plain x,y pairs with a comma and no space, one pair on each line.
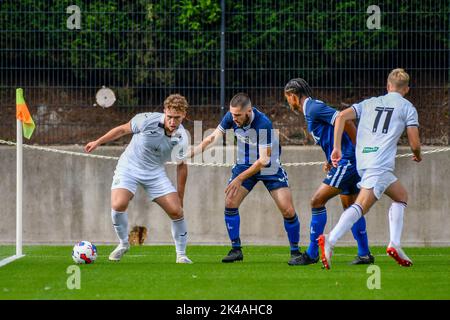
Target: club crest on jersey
175,139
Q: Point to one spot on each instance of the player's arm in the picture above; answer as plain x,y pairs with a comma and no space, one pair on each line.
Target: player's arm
182,172
350,129
339,125
414,142
111,135
261,162
208,141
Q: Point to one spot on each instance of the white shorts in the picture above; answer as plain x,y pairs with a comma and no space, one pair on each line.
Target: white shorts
155,186
377,179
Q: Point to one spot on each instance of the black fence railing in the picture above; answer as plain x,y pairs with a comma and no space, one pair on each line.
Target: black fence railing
62,52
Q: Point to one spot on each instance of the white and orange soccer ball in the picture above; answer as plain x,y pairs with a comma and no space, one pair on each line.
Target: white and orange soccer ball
84,252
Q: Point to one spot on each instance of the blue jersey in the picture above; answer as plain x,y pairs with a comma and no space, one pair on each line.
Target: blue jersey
258,133
320,119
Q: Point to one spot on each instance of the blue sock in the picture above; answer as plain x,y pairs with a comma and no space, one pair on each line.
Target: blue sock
232,222
360,235
292,227
318,222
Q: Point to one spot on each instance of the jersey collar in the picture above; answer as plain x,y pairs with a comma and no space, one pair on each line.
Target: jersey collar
251,120
161,121
394,93
304,105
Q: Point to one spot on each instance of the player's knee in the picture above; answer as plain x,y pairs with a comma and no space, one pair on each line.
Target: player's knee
316,202
176,213
401,197
404,197
119,206
230,203
288,212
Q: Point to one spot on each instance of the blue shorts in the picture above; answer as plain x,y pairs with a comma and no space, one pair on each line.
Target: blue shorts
272,182
345,177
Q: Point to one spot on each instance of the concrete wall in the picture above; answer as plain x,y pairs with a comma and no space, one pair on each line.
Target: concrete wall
67,199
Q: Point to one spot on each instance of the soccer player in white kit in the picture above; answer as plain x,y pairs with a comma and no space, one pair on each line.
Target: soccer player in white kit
157,138
382,121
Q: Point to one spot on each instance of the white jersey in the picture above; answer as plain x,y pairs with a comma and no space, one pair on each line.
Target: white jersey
382,121
150,147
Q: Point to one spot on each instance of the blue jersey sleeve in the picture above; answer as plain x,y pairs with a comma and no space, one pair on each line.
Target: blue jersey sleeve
226,123
324,113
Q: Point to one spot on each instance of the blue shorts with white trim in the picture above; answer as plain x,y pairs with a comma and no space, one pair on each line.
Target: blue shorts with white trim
345,177
271,182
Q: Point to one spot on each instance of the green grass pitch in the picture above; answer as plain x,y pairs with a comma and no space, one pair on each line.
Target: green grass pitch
150,272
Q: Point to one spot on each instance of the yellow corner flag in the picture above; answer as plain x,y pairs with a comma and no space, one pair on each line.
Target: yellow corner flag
23,114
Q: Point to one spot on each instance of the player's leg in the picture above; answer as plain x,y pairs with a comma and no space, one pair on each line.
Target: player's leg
399,195
122,191
365,200
233,222
283,199
359,232
231,214
171,204
277,184
318,219
120,198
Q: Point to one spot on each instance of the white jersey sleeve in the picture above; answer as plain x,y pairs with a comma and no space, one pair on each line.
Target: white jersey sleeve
140,121
357,107
412,118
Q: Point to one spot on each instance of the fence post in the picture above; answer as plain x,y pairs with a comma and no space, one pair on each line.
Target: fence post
222,59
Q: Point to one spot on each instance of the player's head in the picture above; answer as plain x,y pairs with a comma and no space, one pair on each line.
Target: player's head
398,81
295,91
175,109
241,109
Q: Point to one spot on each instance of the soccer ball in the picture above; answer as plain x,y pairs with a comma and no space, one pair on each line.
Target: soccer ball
84,252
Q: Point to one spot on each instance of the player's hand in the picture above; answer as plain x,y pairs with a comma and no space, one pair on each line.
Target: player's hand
326,167
91,146
336,156
232,189
417,159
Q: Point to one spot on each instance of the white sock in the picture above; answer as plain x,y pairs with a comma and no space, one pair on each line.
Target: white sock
120,223
346,222
179,234
396,222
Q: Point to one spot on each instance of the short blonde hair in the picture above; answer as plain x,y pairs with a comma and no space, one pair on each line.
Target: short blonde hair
399,78
176,102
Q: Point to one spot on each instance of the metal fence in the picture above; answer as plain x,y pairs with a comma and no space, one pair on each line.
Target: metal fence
62,52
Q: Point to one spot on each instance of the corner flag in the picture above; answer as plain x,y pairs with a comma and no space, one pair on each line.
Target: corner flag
23,114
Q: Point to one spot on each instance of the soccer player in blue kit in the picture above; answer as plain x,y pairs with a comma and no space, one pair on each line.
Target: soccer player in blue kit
341,180
257,160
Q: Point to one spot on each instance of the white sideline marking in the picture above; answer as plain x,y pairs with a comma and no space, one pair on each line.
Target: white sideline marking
5,261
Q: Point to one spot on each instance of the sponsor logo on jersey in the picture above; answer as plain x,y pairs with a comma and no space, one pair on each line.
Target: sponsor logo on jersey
370,149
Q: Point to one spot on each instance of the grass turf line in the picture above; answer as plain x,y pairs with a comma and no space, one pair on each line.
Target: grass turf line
150,272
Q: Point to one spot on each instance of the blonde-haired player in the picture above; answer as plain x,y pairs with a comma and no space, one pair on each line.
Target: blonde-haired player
157,138
382,121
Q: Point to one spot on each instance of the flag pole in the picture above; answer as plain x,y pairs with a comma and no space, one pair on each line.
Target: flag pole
19,186
19,182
